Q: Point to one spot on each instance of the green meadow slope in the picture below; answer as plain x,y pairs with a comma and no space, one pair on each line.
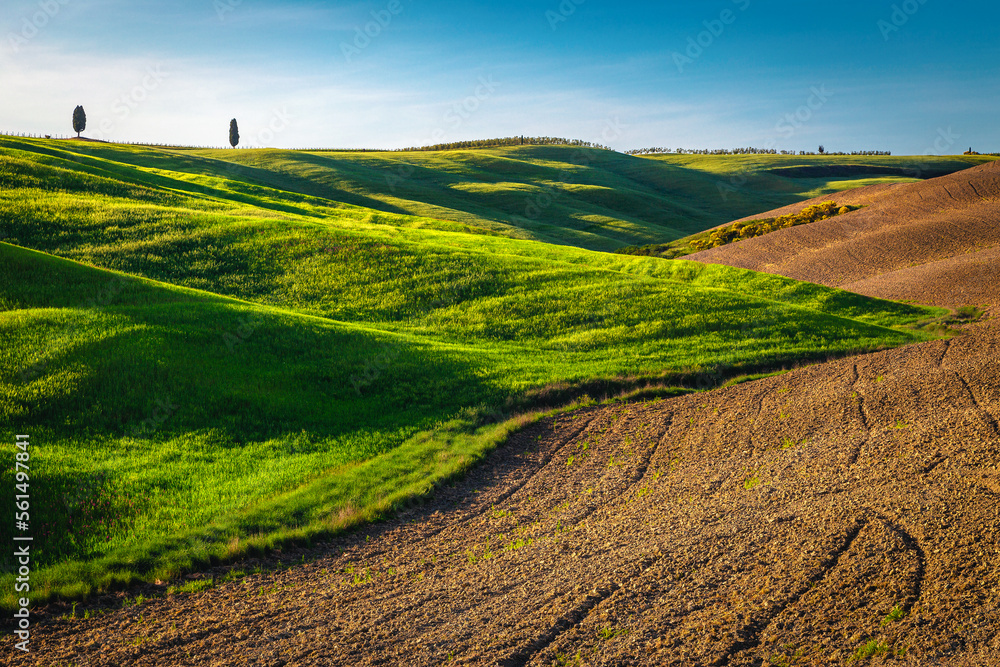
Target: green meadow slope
588,198
209,365
595,199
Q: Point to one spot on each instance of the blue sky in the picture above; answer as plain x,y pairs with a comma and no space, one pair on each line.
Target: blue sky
913,77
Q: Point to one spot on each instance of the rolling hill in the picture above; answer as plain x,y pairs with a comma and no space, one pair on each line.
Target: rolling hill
594,199
841,513
933,241
220,366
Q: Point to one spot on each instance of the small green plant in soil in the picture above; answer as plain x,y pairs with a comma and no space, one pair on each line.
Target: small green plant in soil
870,649
896,614
609,632
567,660
191,586
788,658
968,313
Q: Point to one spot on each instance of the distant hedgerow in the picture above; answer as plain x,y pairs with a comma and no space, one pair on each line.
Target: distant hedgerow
509,141
738,231
658,150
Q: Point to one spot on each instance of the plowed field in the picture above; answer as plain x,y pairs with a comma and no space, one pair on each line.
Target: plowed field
949,223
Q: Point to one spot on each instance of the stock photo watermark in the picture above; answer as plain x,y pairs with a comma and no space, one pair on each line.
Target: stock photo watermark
786,128
241,334
122,107
373,369
462,110
224,7
365,35
900,16
32,25
562,13
99,302
163,410
714,29
944,140
791,122
280,121
534,206
22,541
452,120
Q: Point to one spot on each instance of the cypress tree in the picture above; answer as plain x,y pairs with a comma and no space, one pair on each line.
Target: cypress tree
79,120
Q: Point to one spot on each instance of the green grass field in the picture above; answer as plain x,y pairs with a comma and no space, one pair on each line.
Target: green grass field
594,199
211,359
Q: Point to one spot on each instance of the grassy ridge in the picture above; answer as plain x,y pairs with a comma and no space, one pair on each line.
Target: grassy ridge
157,410
593,199
741,179
279,364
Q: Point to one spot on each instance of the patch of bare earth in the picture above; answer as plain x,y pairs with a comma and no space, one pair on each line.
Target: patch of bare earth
902,226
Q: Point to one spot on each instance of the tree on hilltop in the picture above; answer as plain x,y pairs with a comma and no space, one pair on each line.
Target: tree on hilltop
234,133
79,120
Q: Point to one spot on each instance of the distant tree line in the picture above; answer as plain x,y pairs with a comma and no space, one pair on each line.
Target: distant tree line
740,151
972,152
843,153
509,141
706,151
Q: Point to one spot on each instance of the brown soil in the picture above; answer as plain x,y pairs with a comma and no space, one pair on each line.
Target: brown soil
787,521
902,226
969,279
